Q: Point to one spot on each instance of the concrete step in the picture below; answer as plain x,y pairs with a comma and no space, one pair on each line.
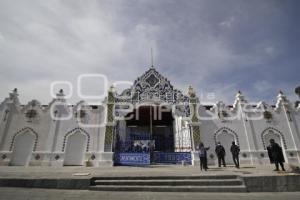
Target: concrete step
237,188
202,183
169,182
222,177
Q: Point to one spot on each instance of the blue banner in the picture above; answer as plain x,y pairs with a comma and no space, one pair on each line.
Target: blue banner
133,159
172,158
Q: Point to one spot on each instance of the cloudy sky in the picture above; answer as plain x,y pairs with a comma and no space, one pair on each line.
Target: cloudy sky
214,45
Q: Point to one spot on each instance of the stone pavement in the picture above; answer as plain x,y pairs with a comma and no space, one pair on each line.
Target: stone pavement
53,194
155,170
256,178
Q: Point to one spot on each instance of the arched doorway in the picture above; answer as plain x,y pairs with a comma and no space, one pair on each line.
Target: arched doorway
75,149
273,134
22,149
226,140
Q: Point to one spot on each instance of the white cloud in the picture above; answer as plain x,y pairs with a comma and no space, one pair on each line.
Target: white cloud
225,93
63,42
271,51
1,38
262,86
228,23
58,40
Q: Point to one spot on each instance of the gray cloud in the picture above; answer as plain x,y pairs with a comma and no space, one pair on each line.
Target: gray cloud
216,47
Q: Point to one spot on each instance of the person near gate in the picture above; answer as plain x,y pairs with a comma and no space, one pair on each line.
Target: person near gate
203,156
276,155
220,151
235,151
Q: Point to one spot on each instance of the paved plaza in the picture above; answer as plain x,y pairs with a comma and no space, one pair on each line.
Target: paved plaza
52,194
8,172
153,170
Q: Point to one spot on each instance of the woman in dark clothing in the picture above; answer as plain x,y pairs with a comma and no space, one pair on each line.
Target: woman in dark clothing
276,155
203,156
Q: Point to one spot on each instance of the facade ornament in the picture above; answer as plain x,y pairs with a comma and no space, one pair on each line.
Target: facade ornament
298,106
31,114
239,98
220,105
112,88
191,92
281,96
14,93
297,91
268,115
152,87
13,96
31,110
60,95
80,110
262,106
281,100
220,109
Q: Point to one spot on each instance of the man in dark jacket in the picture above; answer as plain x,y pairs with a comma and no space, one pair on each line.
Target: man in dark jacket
220,151
235,151
276,155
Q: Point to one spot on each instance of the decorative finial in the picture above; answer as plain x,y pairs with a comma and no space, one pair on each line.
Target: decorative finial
112,88
152,66
239,96
280,92
281,97
14,94
60,94
297,91
191,91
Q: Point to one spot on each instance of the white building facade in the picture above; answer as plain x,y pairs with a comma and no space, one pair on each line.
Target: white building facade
150,121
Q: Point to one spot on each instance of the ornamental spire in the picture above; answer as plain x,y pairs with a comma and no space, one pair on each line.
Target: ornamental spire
151,52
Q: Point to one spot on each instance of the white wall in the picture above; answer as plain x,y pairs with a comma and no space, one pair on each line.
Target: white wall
52,133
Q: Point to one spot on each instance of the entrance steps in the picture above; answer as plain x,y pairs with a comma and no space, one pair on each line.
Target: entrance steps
205,183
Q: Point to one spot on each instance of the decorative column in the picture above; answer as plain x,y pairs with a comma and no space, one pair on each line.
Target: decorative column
109,130
177,136
194,125
107,156
196,136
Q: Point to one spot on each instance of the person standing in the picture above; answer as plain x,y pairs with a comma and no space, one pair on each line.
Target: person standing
220,151
276,155
235,151
203,156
